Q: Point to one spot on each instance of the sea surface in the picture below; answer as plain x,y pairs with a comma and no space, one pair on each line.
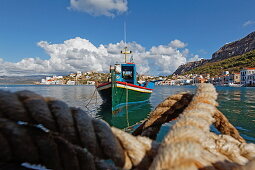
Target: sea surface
237,103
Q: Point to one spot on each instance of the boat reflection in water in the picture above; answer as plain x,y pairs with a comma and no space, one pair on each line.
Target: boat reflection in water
124,116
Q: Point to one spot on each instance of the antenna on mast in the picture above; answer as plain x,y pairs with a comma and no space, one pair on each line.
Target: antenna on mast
125,34
125,52
125,40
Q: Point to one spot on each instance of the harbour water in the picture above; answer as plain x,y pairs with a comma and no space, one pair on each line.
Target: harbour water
238,104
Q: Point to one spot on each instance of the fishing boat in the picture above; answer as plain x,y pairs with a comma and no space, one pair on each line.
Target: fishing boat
123,87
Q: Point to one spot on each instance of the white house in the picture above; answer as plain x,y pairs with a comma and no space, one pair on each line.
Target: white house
166,82
59,77
69,82
248,76
78,74
48,78
72,75
43,81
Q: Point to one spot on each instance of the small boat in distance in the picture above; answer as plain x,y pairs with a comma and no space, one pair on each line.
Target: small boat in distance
123,87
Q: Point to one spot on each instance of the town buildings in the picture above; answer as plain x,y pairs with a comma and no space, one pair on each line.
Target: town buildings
78,78
248,77
245,78
53,80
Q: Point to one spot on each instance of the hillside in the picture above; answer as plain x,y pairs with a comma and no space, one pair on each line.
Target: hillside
233,64
235,48
189,66
20,79
232,56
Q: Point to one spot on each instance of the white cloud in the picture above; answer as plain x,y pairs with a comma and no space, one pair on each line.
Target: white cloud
81,55
177,44
194,58
100,7
248,23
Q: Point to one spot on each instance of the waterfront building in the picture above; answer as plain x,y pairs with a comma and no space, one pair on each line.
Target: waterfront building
43,81
59,77
72,75
48,78
87,77
59,82
166,82
247,76
250,80
220,80
217,80
69,82
52,80
225,79
91,83
236,78
47,81
78,74
211,80
198,79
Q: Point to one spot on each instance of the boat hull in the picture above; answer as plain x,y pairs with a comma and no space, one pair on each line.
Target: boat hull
118,94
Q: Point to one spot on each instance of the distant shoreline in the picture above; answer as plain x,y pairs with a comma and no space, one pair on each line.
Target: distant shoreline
46,84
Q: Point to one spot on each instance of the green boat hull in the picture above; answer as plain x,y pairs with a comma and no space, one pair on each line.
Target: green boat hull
120,96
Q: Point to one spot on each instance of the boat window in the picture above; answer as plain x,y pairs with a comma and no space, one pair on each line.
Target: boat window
127,73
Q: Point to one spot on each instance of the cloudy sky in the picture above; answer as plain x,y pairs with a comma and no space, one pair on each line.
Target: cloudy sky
62,36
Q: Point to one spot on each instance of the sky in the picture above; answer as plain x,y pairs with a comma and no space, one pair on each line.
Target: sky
63,36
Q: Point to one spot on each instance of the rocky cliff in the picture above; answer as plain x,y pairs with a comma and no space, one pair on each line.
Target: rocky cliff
189,66
233,49
236,48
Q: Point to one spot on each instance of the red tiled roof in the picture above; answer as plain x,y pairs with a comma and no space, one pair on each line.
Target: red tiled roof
249,69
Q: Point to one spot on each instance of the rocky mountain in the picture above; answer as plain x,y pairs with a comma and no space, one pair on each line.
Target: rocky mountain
232,64
229,50
189,66
236,48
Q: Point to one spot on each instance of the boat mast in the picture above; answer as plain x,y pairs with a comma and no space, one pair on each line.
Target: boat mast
125,52
125,40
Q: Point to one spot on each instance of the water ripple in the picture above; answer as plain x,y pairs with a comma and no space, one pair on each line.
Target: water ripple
238,104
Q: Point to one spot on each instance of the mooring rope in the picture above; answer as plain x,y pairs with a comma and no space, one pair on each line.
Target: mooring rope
73,125
191,145
171,108
127,105
46,131
90,99
166,111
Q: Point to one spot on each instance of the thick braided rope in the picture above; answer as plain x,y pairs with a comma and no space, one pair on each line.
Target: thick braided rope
166,111
71,130
171,108
24,143
71,124
191,145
